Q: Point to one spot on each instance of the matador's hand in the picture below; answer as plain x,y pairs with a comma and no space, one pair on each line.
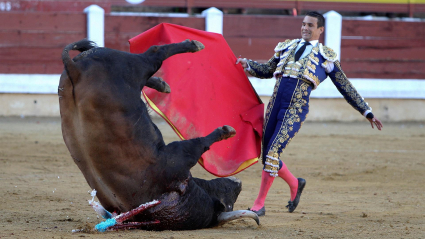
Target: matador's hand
243,62
375,121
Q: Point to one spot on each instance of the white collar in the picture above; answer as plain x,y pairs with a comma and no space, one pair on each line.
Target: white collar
313,43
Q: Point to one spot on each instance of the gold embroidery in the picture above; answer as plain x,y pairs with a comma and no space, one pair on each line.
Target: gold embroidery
271,104
262,70
311,67
287,57
291,117
285,66
271,165
285,54
327,53
295,68
314,59
286,44
311,77
352,96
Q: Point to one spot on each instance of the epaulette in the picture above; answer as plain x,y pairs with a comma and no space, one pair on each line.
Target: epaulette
328,53
283,45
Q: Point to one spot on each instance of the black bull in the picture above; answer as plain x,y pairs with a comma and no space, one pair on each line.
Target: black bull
121,152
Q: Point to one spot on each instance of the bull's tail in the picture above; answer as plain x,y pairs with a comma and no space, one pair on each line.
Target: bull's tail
70,67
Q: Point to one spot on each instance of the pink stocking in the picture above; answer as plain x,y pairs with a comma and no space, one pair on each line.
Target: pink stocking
266,183
292,181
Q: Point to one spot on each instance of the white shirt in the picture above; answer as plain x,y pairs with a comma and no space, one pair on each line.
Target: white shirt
306,51
307,48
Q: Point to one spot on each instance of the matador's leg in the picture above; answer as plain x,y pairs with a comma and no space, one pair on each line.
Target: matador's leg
291,119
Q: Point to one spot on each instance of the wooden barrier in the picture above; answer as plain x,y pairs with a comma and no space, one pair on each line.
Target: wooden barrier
388,6
383,49
369,49
119,29
80,5
32,42
255,37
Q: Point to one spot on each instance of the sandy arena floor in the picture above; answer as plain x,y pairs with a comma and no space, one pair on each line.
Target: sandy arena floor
361,183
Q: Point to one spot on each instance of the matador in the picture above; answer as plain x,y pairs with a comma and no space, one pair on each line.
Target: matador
299,66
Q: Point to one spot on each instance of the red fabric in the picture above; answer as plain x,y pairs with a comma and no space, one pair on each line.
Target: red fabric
208,90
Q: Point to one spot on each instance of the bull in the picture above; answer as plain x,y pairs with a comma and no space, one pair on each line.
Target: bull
121,152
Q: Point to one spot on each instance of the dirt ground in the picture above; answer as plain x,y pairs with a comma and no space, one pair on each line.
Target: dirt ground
361,183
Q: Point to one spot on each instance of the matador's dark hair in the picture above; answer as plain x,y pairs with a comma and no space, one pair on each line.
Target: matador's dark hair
320,18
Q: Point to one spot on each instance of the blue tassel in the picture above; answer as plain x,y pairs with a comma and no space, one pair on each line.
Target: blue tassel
101,227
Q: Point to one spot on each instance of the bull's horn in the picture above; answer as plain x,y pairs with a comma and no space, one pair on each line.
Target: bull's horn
230,216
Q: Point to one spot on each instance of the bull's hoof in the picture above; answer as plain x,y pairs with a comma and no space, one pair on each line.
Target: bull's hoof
199,45
157,83
166,88
228,132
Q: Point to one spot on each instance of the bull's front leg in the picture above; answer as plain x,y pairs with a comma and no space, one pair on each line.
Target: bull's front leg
189,151
158,54
157,83
219,134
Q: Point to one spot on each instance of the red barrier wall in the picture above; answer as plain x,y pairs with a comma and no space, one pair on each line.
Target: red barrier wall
369,49
409,7
32,42
119,29
383,49
255,37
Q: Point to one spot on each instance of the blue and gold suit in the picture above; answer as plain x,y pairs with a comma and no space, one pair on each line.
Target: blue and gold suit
289,104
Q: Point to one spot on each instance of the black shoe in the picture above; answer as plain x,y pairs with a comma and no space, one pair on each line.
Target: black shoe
293,204
260,212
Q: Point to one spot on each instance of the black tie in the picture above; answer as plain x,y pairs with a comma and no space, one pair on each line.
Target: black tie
301,50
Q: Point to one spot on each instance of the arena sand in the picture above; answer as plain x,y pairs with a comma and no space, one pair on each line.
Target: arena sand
361,183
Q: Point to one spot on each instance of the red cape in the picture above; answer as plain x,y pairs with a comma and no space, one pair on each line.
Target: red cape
208,90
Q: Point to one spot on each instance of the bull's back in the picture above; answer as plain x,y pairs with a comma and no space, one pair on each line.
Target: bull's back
100,117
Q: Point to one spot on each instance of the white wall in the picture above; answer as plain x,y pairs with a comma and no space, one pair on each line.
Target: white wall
395,100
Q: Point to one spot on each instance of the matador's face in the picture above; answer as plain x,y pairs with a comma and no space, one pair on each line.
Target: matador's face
309,29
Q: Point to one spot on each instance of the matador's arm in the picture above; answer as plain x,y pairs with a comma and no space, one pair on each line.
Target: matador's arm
263,70
347,90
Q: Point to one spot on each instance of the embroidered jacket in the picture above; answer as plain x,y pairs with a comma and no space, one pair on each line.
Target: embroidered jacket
314,68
